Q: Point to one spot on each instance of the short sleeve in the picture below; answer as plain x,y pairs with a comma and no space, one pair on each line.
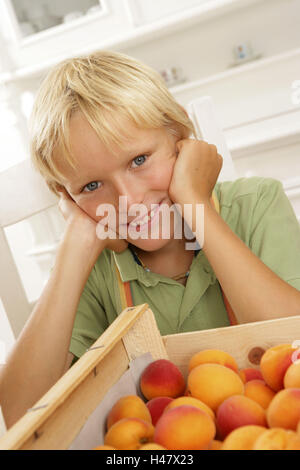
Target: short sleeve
275,232
90,321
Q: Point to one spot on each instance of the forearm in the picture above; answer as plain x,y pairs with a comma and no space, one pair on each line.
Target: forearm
253,290
39,356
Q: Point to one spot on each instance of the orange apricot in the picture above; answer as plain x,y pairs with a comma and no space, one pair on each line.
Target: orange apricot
192,402
260,392
152,446
237,411
185,428
292,376
277,439
243,438
213,356
213,383
274,364
129,434
130,406
284,409
215,445
103,447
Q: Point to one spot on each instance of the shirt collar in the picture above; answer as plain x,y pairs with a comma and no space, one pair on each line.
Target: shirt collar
130,270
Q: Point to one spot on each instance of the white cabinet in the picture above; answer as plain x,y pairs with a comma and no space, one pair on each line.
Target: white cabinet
29,17
48,30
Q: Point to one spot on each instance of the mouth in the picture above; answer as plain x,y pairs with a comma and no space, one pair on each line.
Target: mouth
139,224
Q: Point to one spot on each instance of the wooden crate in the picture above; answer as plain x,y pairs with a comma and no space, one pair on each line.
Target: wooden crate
58,416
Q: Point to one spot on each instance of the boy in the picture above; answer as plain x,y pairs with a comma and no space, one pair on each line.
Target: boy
105,127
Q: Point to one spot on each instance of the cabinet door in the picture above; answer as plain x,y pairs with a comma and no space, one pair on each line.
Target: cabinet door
145,11
50,30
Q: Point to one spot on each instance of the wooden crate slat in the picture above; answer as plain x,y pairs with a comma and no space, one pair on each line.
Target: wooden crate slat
238,340
143,337
25,428
61,428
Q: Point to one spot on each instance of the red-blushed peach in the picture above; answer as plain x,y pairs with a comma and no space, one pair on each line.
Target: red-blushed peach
250,374
243,438
192,402
156,407
260,392
284,409
277,439
213,383
292,376
274,364
162,378
213,356
185,428
130,406
237,411
129,434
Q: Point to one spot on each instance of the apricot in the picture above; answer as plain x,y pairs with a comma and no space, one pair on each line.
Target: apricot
185,428
292,376
237,411
215,445
213,383
156,407
243,438
130,406
104,448
284,409
274,364
129,434
152,446
192,402
277,439
250,374
260,392
213,356
162,378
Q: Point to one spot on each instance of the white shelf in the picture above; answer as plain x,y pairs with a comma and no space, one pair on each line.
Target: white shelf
136,35
237,70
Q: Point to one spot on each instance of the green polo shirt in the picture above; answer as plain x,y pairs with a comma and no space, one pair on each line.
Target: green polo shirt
256,209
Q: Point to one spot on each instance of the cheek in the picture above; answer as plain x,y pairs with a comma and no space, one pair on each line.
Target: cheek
89,206
161,177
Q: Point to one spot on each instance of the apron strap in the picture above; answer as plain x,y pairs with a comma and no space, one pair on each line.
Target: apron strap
126,293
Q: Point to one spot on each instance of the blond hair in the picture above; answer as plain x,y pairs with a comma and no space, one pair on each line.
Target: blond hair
104,86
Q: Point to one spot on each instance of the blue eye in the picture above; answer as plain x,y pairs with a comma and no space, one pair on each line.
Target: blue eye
140,160
91,186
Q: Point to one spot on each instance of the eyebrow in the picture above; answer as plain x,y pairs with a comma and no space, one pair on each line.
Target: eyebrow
131,152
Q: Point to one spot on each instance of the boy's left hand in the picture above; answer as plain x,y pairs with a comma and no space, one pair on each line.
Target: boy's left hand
195,172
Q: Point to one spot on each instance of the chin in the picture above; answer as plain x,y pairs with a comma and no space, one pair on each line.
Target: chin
149,245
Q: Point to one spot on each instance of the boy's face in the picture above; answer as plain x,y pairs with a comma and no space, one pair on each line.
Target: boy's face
141,170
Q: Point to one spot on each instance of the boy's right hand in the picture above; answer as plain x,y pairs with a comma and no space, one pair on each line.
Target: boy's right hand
80,220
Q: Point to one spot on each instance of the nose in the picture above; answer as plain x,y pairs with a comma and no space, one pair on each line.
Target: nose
129,192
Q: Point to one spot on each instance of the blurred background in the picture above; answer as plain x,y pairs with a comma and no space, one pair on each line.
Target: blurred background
245,54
